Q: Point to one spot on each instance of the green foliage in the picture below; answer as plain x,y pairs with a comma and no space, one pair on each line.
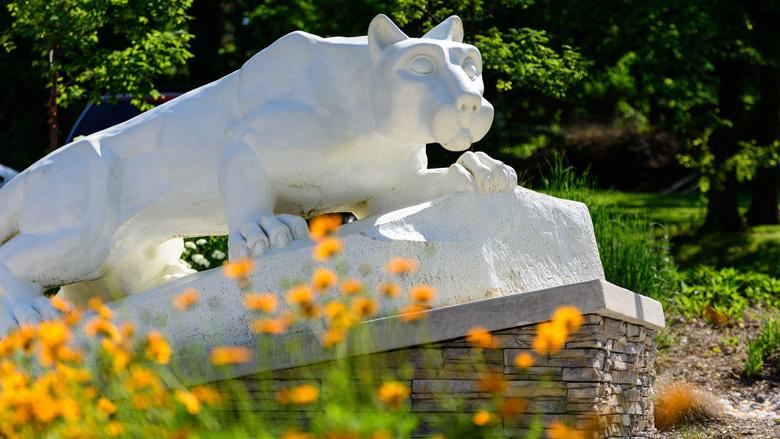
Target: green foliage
634,254
102,47
728,291
764,347
205,252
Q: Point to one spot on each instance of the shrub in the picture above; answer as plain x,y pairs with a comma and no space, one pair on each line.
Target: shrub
727,292
764,347
634,251
681,403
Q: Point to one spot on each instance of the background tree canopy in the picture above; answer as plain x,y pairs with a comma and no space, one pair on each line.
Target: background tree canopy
651,95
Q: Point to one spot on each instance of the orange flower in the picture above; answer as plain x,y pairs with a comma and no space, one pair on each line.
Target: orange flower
265,302
292,434
481,418
363,307
332,337
414,312
550,338
492,382
389,289
240,269
569,317
225,355
97,305
524,360
269,326
114,428
351,286
185,300
324,225
60,304
299,295
394,394
206,395
479,337
99,325
189,400
327,249
512,407
401,266
157,348
106,406
557,430
304,394
322,279
422,294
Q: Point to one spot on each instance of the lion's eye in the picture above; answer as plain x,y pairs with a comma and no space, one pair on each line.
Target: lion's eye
422,65
471,69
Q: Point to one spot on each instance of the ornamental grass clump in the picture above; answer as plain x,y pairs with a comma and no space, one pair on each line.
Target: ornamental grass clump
679,403
87,374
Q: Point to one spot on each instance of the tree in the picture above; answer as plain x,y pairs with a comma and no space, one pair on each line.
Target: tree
90,48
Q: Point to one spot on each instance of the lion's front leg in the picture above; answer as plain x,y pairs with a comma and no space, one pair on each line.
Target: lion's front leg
248,201
472,172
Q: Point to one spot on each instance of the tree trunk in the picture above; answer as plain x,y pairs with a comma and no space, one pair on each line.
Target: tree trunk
763,206
722,209
54,129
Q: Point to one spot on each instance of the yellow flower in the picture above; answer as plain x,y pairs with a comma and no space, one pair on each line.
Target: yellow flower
265,302
322,279
240,269
142,378
157,348
189,400
524,360
332,337
185,300
393,394
304,394
401,266
269,326
324,225
569,317
106,406
52,335
100,325
327,249
479,337
363,307
351,286
114,428
557,430
389,289
118,354
422,294
97,305
225,355
481,418
414,312
550,338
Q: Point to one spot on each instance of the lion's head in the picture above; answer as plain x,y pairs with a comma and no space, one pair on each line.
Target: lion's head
428,89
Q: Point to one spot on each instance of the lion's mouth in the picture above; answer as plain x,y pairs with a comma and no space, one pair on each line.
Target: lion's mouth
453,134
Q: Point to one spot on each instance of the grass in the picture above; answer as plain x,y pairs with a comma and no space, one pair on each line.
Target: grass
764,347
681,403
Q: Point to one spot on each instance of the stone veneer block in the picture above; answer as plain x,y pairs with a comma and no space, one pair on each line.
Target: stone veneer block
602,379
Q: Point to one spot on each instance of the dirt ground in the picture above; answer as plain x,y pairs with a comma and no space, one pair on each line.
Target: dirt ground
712,357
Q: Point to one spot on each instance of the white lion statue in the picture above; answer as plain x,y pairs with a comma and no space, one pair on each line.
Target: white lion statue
309,125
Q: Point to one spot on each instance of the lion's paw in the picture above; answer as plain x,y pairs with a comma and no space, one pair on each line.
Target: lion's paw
490,175
271,231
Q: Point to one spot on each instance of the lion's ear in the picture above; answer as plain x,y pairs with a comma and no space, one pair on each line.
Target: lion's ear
382,32
449,29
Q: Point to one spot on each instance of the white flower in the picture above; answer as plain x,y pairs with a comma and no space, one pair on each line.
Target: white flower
201,260
218,255
190,245
201,241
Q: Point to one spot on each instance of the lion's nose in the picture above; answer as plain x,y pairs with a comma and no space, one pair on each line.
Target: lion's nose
469,103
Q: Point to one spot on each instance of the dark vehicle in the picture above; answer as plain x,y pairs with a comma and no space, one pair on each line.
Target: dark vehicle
96,117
